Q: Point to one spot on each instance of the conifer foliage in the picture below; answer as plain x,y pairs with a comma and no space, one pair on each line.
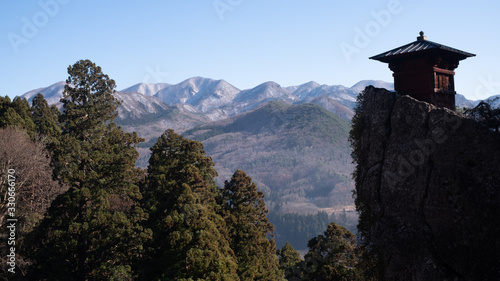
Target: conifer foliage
92,231
246,217
289,260
16,114
189,240
45,118
331,256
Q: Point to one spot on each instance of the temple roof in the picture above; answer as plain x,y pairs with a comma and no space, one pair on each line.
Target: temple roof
421,45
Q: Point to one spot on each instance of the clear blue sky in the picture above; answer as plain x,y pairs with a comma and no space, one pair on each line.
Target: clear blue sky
245,42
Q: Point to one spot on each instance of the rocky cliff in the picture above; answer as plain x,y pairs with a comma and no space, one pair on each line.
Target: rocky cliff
427,188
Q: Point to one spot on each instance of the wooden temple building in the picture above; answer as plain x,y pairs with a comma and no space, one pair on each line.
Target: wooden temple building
424,70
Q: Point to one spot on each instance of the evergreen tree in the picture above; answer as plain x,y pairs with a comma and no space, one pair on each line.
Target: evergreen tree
189,239
289,260
331,256
92,231
22,107
245,214
16,114
10,118
45,118
4,104
297,229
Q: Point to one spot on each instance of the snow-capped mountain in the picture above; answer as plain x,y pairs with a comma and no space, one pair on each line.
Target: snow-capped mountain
341,94
263,92
361,85
147,89
251,98
136,105
303,90
217,99
496,103
52,93
202,93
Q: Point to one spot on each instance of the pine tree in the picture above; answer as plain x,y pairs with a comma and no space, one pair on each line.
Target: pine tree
245,214
93,230
189,242
331,256
289,259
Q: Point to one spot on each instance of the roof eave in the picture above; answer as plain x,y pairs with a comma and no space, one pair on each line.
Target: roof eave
385,57
461,55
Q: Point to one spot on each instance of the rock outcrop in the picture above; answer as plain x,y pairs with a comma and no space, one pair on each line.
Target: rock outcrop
428,189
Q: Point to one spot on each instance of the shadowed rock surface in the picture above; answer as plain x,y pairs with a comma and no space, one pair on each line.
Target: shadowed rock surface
428,188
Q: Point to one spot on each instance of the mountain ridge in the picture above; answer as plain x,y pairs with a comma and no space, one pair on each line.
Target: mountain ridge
216,99
199,100
150,89
147,89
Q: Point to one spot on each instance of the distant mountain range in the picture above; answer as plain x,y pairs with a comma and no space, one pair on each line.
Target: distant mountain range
217,99
149,109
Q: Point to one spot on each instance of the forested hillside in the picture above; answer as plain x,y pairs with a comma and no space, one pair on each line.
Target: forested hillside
298,154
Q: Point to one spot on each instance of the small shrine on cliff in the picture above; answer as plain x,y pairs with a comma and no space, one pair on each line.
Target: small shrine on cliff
424,70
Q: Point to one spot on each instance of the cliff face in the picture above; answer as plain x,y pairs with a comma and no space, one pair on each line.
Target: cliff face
428,189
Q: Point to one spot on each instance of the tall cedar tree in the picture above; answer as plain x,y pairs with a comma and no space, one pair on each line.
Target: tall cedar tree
16,114
45,119
289,260
189,239
245,215
92,231
331,256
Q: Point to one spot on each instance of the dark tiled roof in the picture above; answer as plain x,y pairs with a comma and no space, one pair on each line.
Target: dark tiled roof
419,46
